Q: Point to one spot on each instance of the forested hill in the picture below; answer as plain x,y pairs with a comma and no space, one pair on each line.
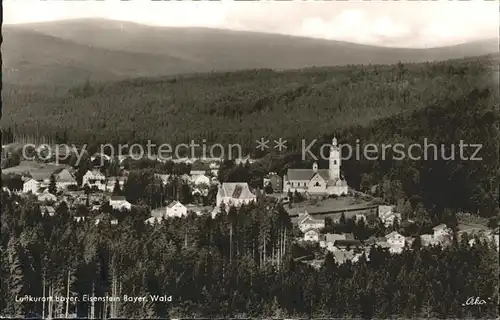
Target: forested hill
66,53
243,106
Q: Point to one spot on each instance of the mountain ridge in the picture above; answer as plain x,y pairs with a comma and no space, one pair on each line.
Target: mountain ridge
67,53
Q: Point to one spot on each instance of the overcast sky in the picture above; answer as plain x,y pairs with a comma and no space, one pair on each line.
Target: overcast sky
388,23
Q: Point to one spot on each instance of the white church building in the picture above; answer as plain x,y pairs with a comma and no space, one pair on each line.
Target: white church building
318,182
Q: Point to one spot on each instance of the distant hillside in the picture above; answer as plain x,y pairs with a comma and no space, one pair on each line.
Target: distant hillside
239,107
68,52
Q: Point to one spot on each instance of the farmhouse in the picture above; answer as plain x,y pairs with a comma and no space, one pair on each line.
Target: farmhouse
176,209
318,182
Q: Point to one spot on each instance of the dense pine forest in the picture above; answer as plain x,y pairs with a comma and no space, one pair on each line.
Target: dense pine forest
241,264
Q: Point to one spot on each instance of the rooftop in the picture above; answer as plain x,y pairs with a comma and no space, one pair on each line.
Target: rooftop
236,190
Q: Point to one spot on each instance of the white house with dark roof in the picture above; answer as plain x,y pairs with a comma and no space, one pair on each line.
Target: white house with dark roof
317,181
233,194
176,209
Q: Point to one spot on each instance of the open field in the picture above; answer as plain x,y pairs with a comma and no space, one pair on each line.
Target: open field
37,170
327,205
333,208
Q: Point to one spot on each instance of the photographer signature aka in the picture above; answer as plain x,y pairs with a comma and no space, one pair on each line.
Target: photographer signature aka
475,301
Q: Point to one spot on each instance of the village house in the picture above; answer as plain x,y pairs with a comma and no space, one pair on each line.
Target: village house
94,178
311,235
64,179
442,236
306,222
233,194
31,186
329,240
119,203
396,242
318,182
46,196
275,181
176,209
387,215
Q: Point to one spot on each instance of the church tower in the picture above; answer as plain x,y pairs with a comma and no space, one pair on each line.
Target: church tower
334,161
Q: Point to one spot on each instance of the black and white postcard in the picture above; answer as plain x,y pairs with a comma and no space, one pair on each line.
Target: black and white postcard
250,159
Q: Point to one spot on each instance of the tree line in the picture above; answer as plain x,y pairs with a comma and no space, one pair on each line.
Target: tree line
243,263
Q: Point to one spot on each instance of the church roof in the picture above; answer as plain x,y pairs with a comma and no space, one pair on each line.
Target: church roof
306,174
